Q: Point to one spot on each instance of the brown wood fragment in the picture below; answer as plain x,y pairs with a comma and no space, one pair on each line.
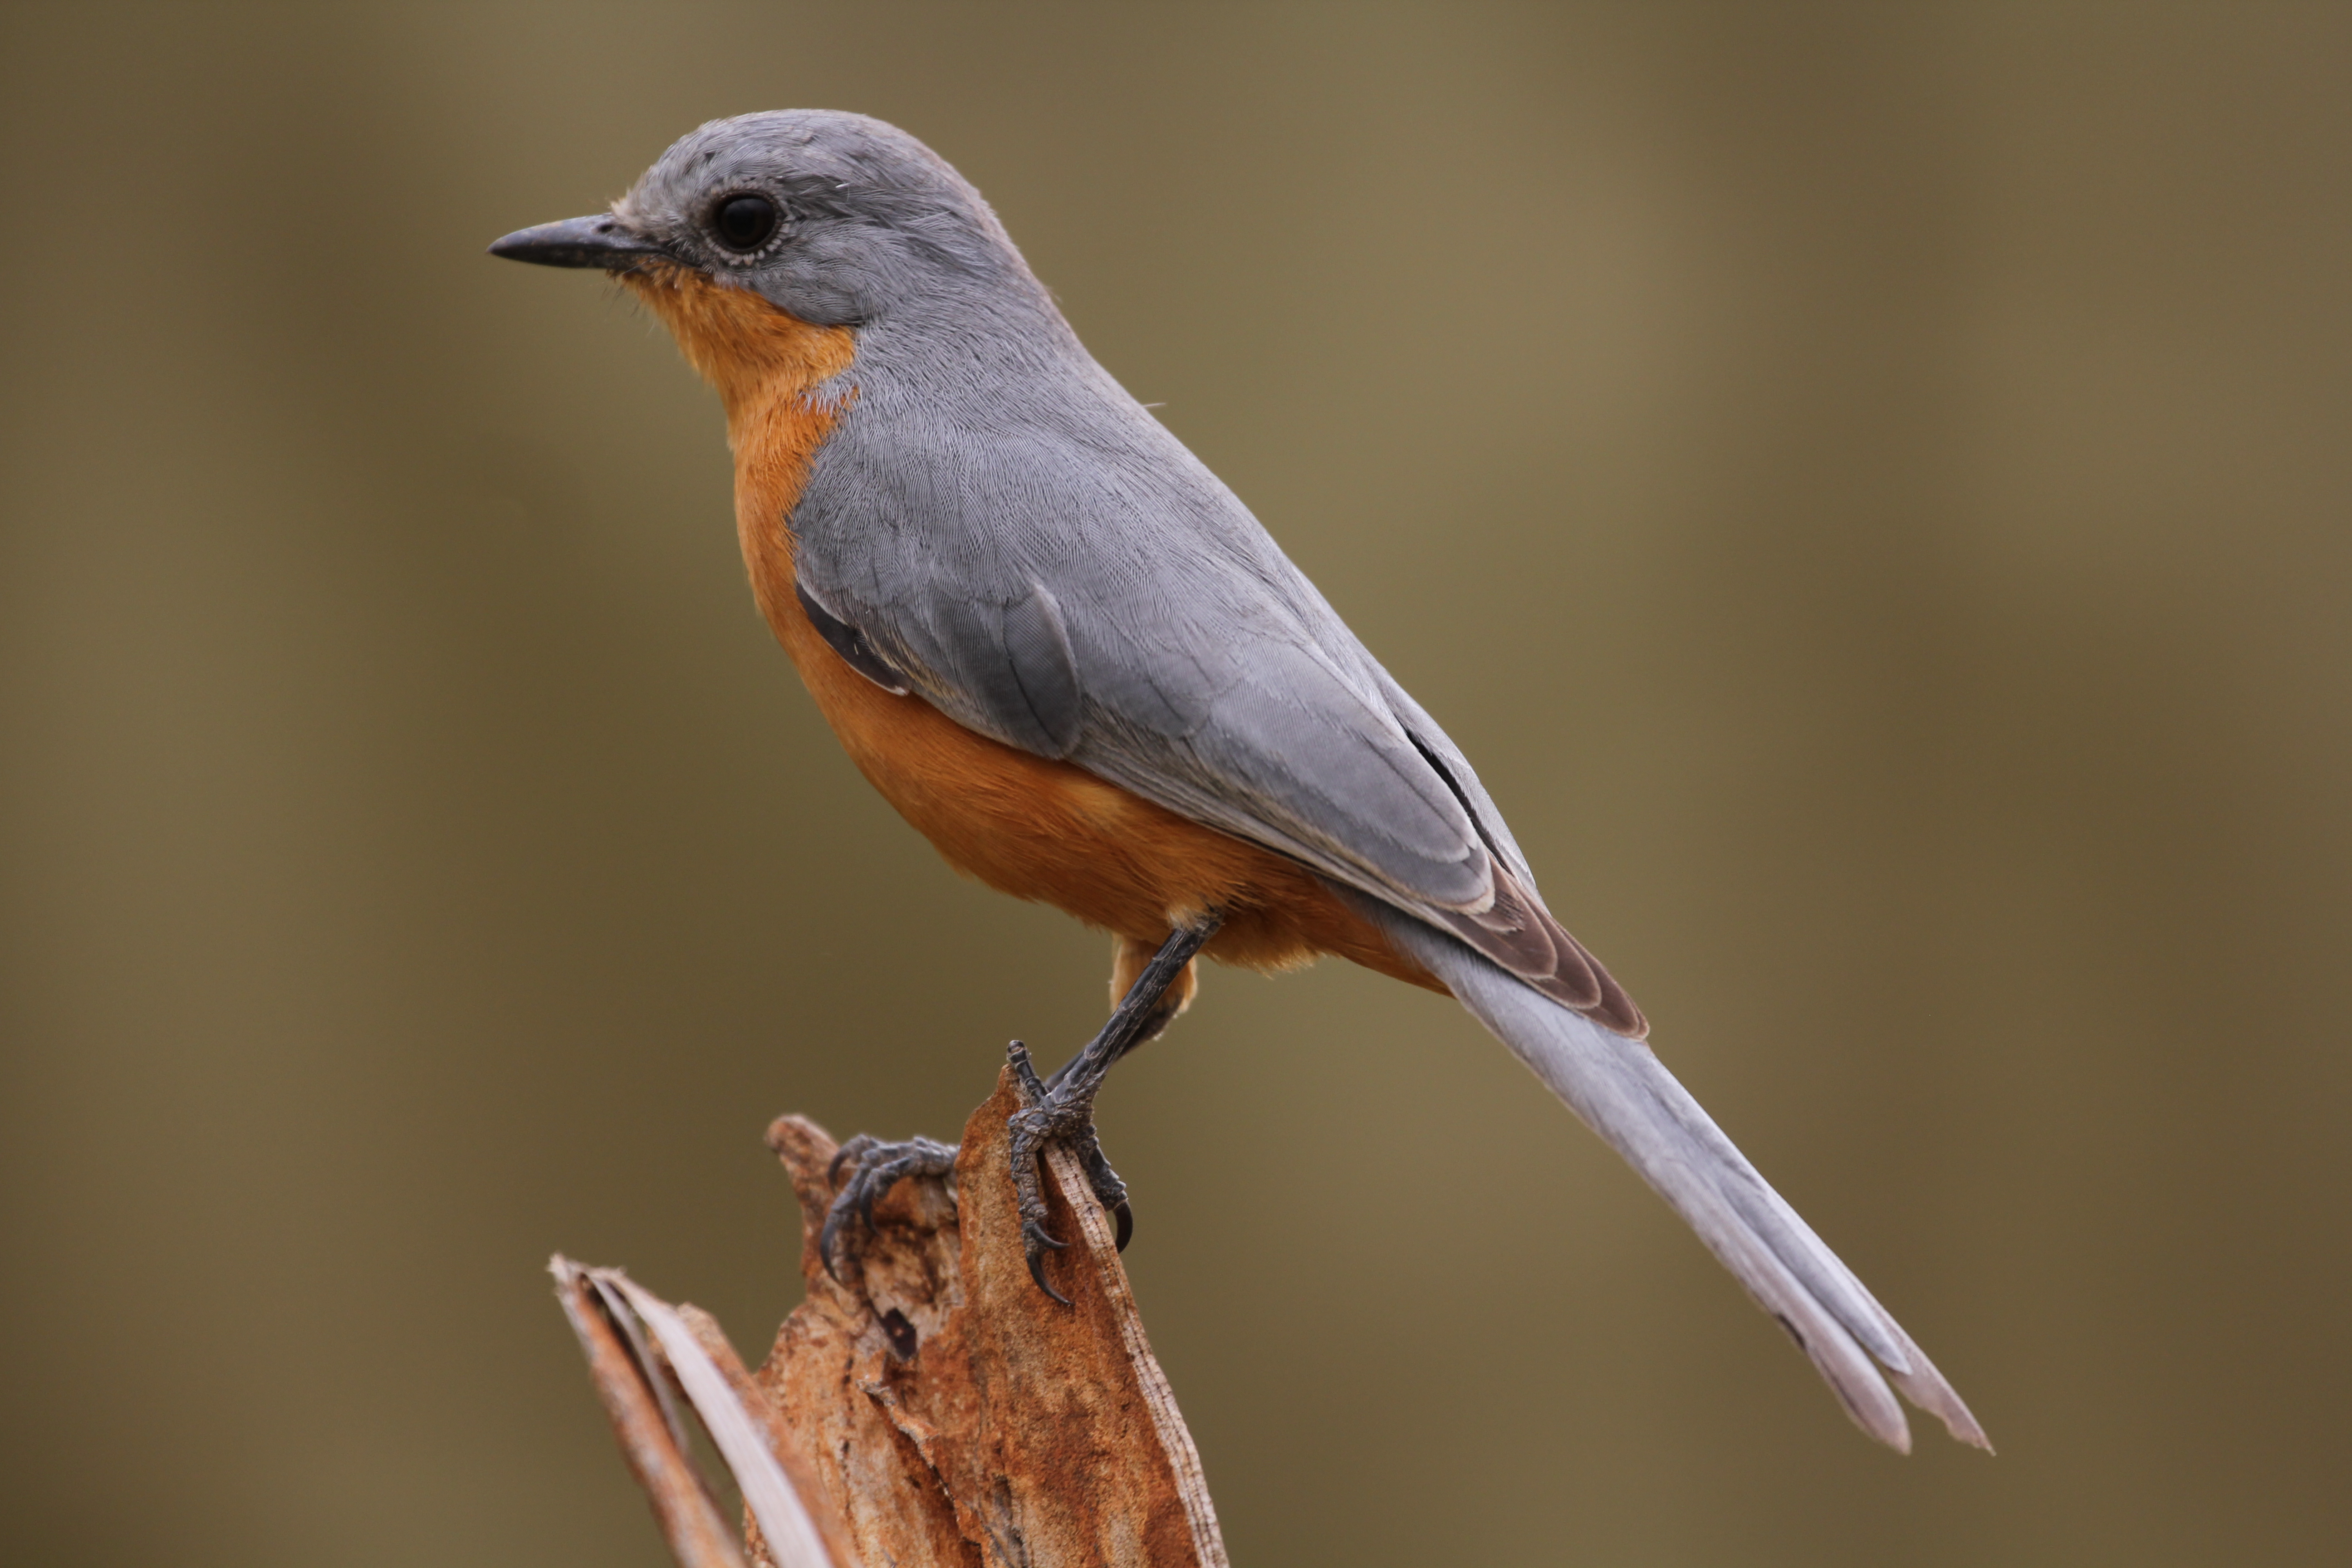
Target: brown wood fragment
782,1440
698,1535
653,1363
933,1409
953,1412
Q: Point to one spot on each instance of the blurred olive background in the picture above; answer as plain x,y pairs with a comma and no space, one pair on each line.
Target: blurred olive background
1869,485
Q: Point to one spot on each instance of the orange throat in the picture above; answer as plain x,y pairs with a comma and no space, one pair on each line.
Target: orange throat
767,366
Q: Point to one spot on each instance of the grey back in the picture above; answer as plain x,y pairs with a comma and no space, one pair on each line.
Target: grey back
1001,521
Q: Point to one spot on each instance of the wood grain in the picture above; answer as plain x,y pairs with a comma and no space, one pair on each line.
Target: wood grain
957,1414
930,1409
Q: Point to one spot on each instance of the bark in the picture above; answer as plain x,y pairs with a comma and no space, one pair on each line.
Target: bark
932,1407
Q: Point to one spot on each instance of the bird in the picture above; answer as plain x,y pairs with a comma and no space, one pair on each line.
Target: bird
1073,659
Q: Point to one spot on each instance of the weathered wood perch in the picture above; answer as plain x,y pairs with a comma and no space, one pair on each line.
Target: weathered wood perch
934,1408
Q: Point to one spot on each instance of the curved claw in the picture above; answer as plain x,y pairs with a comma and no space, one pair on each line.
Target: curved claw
1125,1218
848,1153
824,1239
878,1167
841,1156
1038,1272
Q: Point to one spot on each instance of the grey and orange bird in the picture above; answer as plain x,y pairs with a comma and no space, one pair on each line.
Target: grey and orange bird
1077,665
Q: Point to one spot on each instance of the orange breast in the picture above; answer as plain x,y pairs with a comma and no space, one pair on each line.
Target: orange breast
1024,825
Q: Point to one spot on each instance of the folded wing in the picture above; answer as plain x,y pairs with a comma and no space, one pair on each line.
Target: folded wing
1141,625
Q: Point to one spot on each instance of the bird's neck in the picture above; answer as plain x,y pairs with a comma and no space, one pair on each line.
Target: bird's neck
761,358
768,366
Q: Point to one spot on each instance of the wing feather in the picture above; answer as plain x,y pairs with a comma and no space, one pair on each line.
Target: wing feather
1108,601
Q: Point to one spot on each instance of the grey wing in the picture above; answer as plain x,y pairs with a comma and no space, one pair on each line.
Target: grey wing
1135,620
1289,752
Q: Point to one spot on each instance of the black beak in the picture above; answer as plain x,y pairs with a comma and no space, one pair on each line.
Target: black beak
602,241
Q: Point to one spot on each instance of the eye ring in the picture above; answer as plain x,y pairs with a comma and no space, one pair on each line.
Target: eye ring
745,221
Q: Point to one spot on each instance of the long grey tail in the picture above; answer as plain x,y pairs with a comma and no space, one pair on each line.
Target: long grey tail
1620,1091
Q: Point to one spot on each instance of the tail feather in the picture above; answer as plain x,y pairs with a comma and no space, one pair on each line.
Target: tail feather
1618,1088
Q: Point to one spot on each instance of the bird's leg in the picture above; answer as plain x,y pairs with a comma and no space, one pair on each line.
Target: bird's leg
1059,1106
1063,1106
880,1166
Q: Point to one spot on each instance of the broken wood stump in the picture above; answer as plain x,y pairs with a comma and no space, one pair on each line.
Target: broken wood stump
932,1406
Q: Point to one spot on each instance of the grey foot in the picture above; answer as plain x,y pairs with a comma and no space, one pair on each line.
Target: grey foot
1047,1116
880,1167
1062,1108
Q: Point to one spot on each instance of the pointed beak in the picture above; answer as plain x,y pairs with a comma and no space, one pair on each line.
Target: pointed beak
601,240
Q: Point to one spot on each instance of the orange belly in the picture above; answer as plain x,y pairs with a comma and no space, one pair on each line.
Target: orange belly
1027,825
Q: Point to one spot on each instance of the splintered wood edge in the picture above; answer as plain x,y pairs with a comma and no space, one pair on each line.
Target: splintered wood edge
598,1300
1158,1398
614,1315
781,1441
690,1520
741,1435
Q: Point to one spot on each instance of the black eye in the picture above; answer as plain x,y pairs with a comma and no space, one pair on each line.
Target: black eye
745,222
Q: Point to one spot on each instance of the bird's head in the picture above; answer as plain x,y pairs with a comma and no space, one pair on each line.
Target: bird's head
830,221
